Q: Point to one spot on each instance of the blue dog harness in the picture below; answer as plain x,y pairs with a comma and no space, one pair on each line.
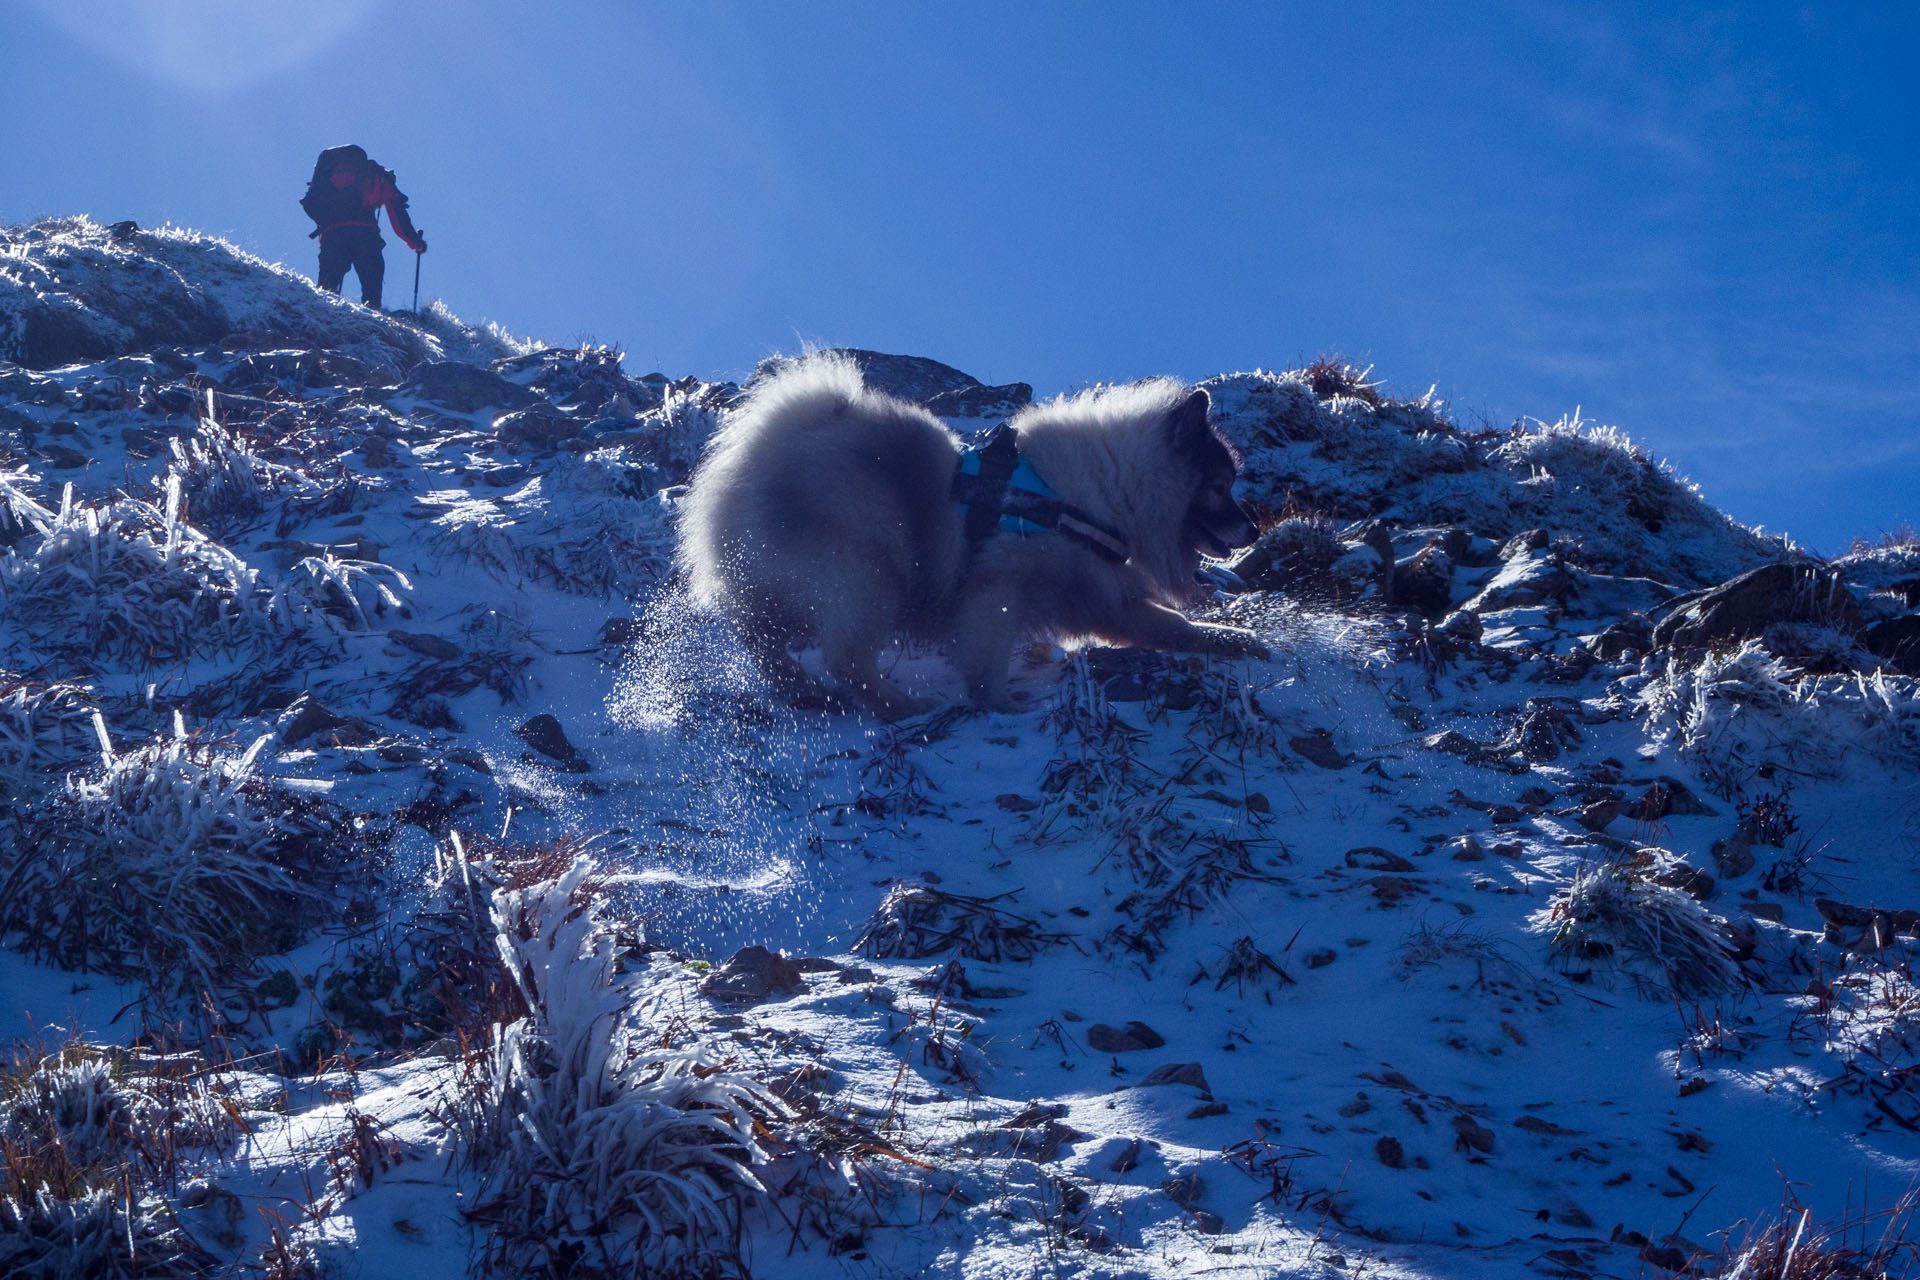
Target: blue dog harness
1001,493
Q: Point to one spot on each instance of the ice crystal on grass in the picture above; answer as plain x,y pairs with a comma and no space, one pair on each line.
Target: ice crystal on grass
42,727
607,1147
588,526
1615,909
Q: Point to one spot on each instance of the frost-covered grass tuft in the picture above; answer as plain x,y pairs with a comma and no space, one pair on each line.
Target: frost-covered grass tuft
223,483
169,862
84,1148
677,430
128,581
134,582
1614,910
1735,705
358,595
604,1145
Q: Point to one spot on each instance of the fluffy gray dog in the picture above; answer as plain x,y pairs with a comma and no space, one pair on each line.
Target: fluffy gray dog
825,509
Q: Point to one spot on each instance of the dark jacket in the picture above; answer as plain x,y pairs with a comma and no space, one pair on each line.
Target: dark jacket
349,190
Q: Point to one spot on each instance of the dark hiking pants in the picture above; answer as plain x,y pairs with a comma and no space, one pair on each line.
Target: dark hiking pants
356,247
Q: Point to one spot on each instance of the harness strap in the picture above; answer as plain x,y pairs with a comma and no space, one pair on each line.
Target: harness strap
1002,493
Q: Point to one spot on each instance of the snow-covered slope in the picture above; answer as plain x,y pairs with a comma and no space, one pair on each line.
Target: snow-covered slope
400,881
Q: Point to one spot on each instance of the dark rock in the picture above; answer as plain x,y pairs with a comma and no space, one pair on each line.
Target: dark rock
1390,890
753,974
1374,858
265,371
1184,1191
1688,879
1524,582
138,304
538,426
1471,1135
1207,1110
1321,957
1318,747
1600,814
1102,1038
1035,1113
1463,625
1843,914
1766,910
1524,543
1178,1073
1424,581
544,734
1467,849
307,719
1897,640
1042,1143
981,402
1734,856
913,378
464,388
1390,1153
621,631
1624,638
280,989
1743,608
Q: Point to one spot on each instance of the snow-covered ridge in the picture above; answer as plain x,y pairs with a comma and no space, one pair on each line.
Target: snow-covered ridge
406,859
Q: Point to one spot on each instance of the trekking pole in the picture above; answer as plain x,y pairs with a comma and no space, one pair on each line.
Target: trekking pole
416,282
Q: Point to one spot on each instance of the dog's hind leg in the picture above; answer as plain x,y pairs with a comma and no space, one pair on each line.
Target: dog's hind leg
788,680
984,636
850,646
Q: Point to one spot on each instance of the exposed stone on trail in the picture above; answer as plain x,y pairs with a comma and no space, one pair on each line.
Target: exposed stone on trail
1743,608
753,974
1424,582
306,721
1102,1038
544,734
539,426
464,388
1318,747
1898,641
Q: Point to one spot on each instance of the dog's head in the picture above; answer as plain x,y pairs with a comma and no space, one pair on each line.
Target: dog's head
1214,524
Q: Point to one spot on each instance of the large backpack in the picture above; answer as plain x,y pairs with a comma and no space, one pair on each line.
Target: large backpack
329,205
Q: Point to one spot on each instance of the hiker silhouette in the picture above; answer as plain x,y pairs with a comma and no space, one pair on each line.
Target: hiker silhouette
344,200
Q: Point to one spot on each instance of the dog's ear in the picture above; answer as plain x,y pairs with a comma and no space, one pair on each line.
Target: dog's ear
1188,420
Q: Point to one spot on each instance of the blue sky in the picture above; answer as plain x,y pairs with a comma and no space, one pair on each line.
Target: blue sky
1699,225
